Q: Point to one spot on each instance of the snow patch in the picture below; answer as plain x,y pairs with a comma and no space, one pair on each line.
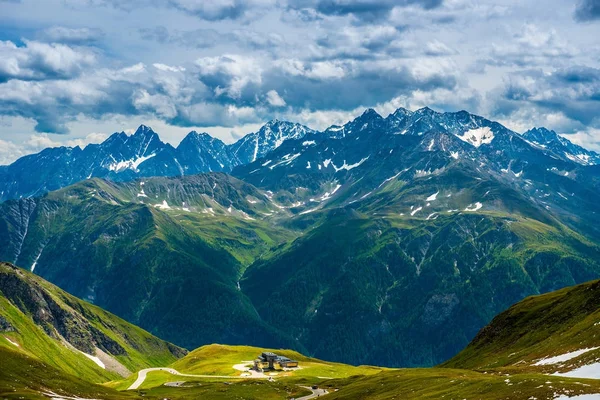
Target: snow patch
11,342
430,147
163,205
308,143
474,207
389,179
328,195
348,167
478,136
285,160
416,210
94,359
132,164
433,196
590,371
563,357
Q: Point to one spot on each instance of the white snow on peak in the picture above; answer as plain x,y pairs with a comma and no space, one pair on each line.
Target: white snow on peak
454,154
142,193
308,165
564,357
433,196
308,143
579,158
327,162
132,164
474,207
266,163
478,136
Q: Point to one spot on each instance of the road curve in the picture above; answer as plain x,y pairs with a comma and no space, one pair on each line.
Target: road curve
144,372
315,393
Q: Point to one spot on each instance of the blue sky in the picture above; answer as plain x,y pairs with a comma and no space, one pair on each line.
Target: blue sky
74,71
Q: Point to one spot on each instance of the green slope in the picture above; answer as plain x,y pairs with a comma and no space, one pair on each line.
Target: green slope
39,320
537,328
26,377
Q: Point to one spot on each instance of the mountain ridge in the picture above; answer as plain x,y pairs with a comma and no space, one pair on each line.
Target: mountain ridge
125,157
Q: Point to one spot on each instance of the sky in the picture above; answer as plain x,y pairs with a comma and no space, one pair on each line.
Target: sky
74,71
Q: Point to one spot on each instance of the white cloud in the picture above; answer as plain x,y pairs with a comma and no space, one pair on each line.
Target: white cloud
37,61
274,99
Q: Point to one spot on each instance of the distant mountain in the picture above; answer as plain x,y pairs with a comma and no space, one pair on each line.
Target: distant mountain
124,157
256,145
561,146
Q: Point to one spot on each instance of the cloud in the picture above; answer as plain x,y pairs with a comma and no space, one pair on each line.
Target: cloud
531,46
217,10
274,99
209,38
587,10
571,96
39,61
364,11
72,35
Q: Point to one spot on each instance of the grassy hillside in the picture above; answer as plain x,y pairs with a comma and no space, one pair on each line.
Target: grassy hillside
41,321
538,328
26,377
438,383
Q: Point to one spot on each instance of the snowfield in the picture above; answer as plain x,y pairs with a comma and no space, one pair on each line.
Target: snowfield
563,357
478,136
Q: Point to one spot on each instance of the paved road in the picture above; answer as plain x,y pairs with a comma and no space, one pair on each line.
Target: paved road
142,376
315,393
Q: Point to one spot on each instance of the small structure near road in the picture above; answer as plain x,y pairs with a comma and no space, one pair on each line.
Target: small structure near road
272,361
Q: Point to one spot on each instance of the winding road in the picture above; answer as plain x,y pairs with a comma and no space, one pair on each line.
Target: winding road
144,372
238,367
315,393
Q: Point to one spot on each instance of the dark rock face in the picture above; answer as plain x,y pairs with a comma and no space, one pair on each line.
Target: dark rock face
56,321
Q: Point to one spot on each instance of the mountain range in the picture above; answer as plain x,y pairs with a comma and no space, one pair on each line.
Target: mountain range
388,241
124,157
